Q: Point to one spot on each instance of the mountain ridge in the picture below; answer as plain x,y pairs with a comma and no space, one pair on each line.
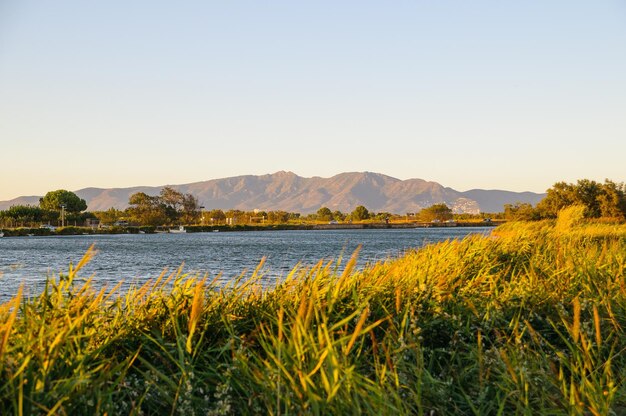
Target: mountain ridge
288,191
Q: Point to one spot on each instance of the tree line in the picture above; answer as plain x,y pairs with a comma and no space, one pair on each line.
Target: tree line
600,200
51,207
171,207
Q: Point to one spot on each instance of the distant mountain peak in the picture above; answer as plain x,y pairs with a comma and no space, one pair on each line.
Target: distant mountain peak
283,173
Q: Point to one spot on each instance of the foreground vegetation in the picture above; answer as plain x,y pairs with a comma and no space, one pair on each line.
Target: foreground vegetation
529,320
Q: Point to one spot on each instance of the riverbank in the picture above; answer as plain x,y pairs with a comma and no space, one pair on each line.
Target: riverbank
71,230
530,322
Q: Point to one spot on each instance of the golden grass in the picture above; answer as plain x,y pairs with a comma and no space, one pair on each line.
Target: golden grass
528,320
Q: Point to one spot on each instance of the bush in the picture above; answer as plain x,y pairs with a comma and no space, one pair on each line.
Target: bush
72,230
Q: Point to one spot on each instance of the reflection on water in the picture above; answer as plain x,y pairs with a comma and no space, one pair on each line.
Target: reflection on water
134,258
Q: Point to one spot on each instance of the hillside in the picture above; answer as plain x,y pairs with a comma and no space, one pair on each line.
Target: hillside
290,192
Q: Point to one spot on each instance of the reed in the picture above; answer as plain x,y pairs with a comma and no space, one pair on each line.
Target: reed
529,320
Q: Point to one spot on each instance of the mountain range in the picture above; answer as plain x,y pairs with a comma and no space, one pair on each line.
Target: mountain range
289,192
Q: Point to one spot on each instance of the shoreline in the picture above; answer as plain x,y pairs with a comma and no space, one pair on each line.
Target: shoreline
72,230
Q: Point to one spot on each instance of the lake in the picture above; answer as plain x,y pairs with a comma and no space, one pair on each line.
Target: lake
135,258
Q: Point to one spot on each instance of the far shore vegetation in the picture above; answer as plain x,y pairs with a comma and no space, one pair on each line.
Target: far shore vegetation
63,212
530,320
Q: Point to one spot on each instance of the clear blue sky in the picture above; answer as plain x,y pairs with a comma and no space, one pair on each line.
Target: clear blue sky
480,94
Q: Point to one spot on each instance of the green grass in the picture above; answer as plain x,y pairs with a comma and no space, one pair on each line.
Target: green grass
529,321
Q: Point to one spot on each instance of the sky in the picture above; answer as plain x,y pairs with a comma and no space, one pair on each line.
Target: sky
481,94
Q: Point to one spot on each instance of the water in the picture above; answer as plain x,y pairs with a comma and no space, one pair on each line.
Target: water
135,258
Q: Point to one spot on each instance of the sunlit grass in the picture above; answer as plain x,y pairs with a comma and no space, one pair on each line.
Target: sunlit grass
529,320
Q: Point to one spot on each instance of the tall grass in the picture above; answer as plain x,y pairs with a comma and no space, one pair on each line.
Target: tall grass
529,320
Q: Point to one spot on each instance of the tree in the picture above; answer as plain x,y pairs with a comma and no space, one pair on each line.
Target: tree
278,217
437,212
587,193
216,216
171,200
110,216
382,216
169,207
521,211
178,206
561,195
146,209
339,216
360,213
324,214
599,200
53,200
612,200
171,197
190,209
